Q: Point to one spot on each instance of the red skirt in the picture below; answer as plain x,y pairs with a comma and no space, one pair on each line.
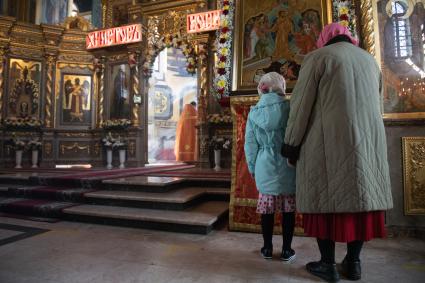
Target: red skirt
345,227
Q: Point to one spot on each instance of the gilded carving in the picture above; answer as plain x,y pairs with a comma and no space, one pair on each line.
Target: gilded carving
48,148
97,147
23,52
74,148
79,135
414,175
76,58
119,57
132,148
203,146
367,26
77,22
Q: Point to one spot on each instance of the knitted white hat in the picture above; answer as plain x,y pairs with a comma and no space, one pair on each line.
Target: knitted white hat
271,82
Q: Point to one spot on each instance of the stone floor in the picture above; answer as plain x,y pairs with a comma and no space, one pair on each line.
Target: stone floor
74,252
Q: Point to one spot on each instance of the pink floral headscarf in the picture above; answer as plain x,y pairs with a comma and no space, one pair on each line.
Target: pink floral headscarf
332,30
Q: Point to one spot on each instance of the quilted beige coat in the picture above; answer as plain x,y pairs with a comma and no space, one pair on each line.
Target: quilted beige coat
335,118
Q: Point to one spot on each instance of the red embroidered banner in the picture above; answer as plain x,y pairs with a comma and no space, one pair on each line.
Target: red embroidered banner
244,194
114,36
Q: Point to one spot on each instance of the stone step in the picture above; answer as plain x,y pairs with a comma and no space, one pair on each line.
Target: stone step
174,200
199,219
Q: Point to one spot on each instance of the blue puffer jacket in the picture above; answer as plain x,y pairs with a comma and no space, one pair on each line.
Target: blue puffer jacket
264,135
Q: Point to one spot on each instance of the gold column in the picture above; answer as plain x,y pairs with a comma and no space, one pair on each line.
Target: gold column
50,60
104,9
134,64
2,62
99,66
367,25
202,108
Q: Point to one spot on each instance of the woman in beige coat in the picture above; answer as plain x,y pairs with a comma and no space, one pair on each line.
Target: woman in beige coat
335,131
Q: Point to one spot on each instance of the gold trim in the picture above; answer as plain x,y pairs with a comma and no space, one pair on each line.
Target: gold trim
409,116
414,175
238,40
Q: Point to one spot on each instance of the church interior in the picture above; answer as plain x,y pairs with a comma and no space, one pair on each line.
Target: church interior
122,133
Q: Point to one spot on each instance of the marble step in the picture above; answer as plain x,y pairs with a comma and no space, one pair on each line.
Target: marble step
174,200
144,183
199,219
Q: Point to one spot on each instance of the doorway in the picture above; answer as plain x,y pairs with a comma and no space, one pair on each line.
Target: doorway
171,87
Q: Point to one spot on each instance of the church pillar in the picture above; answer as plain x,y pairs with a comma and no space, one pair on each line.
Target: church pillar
203,160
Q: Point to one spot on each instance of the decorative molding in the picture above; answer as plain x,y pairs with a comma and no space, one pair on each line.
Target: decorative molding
367,26
414,175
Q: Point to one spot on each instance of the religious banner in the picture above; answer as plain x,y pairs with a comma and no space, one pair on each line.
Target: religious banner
244,194
205,21
114,36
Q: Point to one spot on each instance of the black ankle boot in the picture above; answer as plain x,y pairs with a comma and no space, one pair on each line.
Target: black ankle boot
266,253
351,269
326,271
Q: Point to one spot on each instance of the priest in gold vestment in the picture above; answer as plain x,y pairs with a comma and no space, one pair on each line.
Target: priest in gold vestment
186,141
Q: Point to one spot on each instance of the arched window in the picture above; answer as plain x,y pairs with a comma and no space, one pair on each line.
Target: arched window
402,35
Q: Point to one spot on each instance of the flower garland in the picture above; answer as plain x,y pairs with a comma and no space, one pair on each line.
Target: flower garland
344,13
116,124
224,47
23,123
219,118
175,41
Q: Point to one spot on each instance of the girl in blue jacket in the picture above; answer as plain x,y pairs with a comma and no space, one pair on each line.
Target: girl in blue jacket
274,177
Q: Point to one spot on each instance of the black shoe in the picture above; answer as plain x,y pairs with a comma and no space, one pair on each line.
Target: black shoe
326,271
351,270
287,255
267,252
